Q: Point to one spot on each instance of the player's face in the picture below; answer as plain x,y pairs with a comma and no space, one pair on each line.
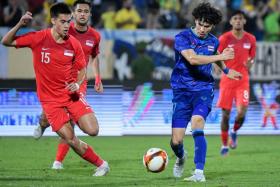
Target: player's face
82,14
237,22
61,24
202,28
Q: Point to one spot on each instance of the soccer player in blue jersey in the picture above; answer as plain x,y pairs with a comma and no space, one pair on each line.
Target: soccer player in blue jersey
192,84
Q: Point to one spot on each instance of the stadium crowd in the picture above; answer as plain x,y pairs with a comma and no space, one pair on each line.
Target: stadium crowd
263,16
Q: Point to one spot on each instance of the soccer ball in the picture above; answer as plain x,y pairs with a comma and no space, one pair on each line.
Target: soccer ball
155,160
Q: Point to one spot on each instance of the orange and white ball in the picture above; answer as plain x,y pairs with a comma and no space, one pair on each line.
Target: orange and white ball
155,160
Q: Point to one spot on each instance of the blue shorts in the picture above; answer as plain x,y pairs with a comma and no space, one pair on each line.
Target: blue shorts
189,103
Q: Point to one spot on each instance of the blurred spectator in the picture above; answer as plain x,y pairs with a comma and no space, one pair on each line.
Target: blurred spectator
262,9
35,6
152,21
2,5
141,7
69,2
272,24
251,16
96,12
127,17
108,17
169,10
47,6
142,66
12,13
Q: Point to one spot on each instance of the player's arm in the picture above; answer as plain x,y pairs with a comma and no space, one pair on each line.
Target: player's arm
98,86
230,73
80,63
75,86
9,38
195,59
252,54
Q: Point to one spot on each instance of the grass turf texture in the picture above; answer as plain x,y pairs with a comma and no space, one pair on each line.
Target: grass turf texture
26,162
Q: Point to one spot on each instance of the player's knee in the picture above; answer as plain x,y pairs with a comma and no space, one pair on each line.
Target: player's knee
93,131
176,141
73,142
44,121
197,123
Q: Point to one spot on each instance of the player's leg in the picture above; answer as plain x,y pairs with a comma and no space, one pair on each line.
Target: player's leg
224,131
238,122
62,150
181,116
89,125
242,102
225,103
86,120
202,104
80,147
43,125
177,146
265,116
273,111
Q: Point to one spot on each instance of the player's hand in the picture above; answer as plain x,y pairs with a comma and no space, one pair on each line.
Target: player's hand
232,74
98,84
98,87
24,20
72,87
228,54
249,63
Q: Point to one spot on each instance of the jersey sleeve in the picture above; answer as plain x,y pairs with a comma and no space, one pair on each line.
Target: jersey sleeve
79,58
252,52
217,44
181,43
222,43
25,40
95,49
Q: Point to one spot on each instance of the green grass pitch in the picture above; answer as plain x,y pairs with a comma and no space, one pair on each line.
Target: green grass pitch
26,162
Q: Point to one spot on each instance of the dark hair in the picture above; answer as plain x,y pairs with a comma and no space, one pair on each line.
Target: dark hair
59,8
82,2
237,12
205,12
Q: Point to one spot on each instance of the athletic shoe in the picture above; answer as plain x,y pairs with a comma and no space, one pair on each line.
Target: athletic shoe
198,176
224,150
102,170
233,140
38,132
178,168
57,165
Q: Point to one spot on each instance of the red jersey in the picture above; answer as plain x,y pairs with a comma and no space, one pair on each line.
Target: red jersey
53,63
89,40
244,48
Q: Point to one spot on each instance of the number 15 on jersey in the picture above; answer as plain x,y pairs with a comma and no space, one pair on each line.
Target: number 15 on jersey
45,57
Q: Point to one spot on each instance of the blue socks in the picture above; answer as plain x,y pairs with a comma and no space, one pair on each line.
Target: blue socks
200,148
178,149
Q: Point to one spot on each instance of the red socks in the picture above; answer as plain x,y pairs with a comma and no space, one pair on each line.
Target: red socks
62,150
224,137
92,157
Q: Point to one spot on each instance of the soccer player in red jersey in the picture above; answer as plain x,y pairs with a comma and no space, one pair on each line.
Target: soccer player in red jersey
55,55
244,45
89,39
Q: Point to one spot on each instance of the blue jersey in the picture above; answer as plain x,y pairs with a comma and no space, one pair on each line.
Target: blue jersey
193,77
